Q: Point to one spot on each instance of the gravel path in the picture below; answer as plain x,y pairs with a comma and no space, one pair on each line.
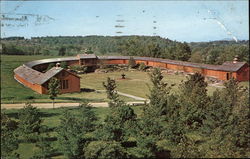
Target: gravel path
58,105
131,96
217,85
127,95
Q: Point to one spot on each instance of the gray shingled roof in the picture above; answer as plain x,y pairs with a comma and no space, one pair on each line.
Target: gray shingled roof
55,60
36,77
233,66
87,56
28,74
227,66
49,74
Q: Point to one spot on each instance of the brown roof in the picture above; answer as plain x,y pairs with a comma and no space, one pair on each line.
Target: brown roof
28,74
36,77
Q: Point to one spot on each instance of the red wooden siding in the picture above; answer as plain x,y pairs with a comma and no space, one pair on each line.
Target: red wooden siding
73,84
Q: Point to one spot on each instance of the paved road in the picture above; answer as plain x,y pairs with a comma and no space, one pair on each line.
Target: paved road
58,105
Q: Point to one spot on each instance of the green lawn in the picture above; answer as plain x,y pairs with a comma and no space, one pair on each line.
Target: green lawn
137,82
14,92
11,90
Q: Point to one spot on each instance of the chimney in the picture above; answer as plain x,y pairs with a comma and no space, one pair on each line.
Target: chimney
235,59
58,65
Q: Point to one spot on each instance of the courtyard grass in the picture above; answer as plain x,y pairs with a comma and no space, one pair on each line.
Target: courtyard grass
137,83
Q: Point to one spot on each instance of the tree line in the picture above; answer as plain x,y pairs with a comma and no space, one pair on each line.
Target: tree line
185,124
215,52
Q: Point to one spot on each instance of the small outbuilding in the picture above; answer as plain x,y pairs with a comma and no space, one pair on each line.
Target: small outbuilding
37,81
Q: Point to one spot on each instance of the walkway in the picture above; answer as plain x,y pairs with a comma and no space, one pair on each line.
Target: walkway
127,95
59,105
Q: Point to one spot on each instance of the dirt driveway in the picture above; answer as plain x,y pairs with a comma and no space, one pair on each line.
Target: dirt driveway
58,105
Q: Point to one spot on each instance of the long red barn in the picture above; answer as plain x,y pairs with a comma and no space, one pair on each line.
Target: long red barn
30,74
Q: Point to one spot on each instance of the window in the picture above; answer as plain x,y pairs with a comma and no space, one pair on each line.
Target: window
64,84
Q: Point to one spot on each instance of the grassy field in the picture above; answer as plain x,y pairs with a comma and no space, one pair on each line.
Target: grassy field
13,92
137,84
51,118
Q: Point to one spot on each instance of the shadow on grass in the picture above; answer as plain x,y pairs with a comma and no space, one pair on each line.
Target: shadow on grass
45,114
87,90
55,154
12,115
73,99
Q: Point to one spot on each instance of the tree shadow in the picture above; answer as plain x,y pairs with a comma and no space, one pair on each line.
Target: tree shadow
87,90
73,98
45,114
12,115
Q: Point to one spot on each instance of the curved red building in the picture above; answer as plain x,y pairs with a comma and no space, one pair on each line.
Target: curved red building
31,73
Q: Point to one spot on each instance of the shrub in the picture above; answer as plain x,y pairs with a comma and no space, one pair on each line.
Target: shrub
142,66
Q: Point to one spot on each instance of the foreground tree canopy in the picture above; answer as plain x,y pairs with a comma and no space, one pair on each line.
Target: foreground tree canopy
184,124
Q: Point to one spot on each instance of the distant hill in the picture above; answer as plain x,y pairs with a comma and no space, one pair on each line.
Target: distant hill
214,52
218,43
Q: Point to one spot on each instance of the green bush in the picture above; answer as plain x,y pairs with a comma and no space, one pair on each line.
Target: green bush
142,66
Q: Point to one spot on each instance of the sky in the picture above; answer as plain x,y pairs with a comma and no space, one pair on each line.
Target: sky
190,21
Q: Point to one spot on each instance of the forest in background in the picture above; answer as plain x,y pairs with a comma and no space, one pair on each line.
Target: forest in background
214,52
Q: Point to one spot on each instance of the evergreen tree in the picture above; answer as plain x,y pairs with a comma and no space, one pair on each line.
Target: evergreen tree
119,124
193,100
105,149
187,149
153,120
9,137
112,95
158,94
73,129
62,51
228,121
54,86
45,149
182,52
30,120
121,118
